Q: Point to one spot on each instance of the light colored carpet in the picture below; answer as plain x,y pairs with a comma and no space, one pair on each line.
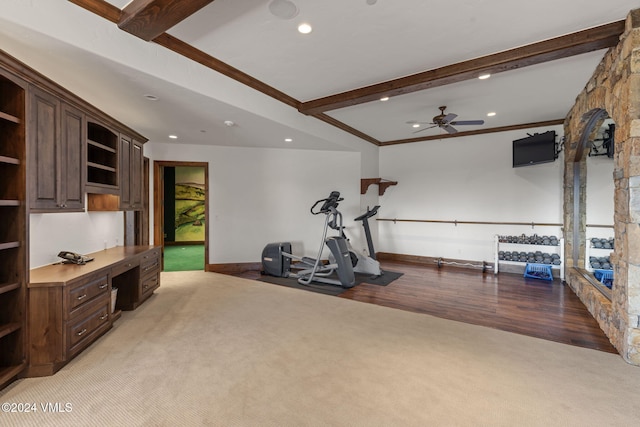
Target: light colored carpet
215,350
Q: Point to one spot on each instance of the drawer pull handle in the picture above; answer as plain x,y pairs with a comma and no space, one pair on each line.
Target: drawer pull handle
81,332
145,287
81,297
104,316
104,285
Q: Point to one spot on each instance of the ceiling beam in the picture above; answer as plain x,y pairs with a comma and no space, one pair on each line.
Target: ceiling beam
180,47
148,19
107,11
340,125
554,122
577,43
101,8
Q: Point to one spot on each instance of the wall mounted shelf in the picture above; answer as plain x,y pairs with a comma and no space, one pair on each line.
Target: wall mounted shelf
382,184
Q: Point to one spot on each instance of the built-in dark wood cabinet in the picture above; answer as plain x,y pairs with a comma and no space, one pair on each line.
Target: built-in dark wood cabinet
55,149
13,229
72,147
76,304
131,165
56,154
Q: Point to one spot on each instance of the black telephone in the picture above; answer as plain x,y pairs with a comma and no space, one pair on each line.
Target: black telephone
73,258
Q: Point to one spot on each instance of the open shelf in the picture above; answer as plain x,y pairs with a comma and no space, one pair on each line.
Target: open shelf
9,117
9,245
8,287
9,328
101,146
8,372
9,160
102,167
13,218
102,157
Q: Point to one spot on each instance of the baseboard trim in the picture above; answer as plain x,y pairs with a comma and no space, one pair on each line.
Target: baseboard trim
233,268
438,262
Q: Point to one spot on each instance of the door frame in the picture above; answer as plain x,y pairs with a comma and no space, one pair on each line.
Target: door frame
158,203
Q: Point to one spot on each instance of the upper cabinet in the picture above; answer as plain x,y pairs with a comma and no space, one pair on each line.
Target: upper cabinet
131,164
56,154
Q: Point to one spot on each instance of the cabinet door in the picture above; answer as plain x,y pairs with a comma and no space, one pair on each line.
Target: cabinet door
43,166
137,164
125,172
72,161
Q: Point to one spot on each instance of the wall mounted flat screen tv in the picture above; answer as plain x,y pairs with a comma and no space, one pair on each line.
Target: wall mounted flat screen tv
535,149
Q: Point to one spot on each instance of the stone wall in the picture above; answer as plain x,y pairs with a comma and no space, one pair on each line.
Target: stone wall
615,89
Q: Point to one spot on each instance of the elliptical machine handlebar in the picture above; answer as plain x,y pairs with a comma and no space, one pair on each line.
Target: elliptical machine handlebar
330,203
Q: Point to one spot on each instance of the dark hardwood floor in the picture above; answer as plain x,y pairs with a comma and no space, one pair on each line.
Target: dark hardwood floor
537,308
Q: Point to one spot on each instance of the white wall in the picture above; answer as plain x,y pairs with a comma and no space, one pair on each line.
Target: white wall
82,232
257,196
465,179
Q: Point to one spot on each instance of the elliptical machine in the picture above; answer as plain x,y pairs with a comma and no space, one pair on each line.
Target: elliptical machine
277,257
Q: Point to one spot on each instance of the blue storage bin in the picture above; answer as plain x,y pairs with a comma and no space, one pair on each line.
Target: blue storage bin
604,276
538,271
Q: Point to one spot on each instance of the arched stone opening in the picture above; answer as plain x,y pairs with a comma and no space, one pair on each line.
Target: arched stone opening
613,90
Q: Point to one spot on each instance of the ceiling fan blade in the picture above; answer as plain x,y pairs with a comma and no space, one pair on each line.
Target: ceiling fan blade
468,122
449,129
420,130
449,117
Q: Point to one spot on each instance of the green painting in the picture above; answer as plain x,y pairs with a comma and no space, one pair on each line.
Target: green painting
190,204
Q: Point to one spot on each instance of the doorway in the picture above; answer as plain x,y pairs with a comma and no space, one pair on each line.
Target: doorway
181,220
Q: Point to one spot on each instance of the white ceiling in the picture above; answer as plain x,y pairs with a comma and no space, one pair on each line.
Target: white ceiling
353,44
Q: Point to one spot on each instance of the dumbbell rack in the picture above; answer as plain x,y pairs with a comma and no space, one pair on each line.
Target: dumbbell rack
591,250
559,249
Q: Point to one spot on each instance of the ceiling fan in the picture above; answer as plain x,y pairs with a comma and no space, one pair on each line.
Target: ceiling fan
444,121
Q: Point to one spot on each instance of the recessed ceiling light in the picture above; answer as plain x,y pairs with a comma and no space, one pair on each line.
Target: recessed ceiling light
415,125
229,123
484,76
384,98
304,28
491,114
151,97
173,136
288,140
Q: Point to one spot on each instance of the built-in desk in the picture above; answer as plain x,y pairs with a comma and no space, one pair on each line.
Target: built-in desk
69,305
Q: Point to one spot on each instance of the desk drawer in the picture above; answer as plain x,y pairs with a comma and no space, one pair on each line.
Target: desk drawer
124,266
86,291
149,266
83,330
149,284
149,255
